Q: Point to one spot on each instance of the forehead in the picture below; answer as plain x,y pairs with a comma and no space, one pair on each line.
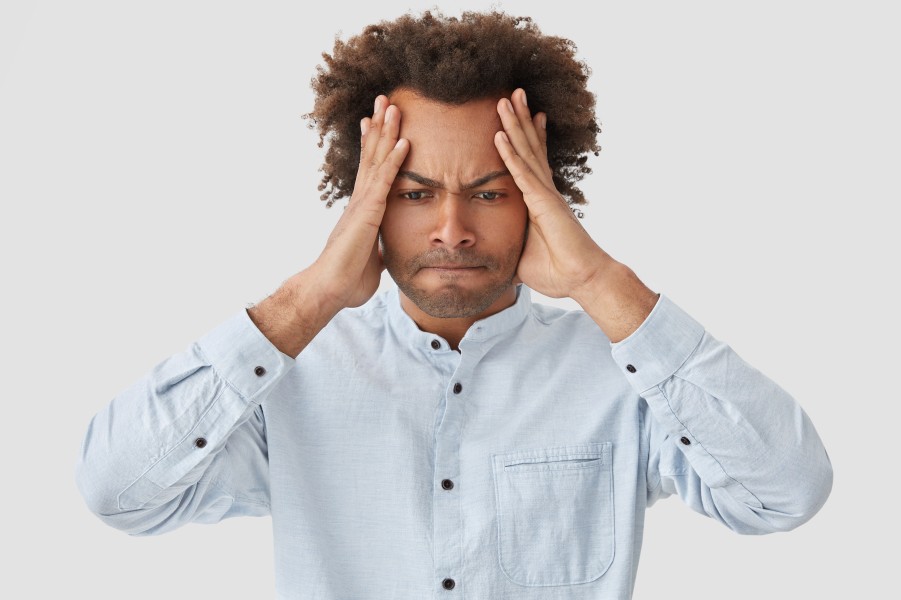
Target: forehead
447,140
424,118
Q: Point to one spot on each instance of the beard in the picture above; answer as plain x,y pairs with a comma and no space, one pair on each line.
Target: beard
450,299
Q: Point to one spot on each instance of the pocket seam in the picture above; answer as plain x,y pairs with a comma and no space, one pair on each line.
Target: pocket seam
576,462
538,456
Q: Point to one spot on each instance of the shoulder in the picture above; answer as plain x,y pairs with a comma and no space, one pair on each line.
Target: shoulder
370,316
563,322
353,332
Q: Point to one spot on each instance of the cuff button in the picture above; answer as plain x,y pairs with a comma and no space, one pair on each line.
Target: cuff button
630,368
260,371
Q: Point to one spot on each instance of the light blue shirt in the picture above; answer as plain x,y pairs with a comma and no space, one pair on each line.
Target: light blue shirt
394,467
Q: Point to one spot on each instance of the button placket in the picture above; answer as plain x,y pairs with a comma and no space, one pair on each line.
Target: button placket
447,510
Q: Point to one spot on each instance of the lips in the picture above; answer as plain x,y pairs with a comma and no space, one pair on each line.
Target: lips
451,267
462,262
453,270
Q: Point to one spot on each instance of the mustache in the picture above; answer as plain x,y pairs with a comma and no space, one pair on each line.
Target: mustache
464,257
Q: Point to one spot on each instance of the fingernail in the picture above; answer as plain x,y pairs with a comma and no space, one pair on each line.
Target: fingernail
508,104
375,108
388,113
544,121
363,126
524,101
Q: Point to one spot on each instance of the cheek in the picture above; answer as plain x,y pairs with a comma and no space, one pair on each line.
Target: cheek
511,225
400,227
408,220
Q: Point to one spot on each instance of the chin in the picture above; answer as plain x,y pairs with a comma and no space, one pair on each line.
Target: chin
454,302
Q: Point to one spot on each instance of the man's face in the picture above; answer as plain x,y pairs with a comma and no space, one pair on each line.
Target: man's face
455,222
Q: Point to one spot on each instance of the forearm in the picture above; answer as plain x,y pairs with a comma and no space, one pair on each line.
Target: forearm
292,316
157,441
728,439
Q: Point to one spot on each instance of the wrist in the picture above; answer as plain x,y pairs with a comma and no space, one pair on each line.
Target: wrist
308,298
596,287
617,300
292,316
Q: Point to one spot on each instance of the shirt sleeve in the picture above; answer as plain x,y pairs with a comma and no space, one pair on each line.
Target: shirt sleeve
187,441
724,437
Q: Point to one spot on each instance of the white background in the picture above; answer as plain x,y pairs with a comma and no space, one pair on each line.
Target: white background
156,176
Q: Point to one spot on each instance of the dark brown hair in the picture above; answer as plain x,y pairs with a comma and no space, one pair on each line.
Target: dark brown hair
454,60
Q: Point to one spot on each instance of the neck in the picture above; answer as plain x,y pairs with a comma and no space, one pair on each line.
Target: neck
453,329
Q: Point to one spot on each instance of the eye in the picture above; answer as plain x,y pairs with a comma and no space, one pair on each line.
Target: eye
416,195
489,195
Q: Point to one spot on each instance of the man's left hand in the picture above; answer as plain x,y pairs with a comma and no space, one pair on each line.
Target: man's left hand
560,259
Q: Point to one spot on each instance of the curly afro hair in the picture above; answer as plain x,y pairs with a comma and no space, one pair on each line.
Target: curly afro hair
454,61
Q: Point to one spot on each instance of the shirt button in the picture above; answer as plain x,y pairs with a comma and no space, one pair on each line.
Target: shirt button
436,345
200,443
685,441
448,584
630,368
447,484
260,371
458,387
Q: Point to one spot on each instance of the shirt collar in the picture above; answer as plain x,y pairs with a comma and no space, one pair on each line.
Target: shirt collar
483,329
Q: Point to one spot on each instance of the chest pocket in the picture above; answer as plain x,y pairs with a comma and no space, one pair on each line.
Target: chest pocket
555,513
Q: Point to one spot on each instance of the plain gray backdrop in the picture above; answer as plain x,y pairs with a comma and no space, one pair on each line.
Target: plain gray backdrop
156,177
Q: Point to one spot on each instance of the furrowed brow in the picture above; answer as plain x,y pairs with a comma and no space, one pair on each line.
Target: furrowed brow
484,179
421,179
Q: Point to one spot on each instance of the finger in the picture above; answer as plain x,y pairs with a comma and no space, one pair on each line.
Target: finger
391,165
373,128
374,189
518,136
521,109
380,157
538,197
540,122
388,135
521,171
364,127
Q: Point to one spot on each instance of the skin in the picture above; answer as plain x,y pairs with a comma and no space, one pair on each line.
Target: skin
452,247
452,227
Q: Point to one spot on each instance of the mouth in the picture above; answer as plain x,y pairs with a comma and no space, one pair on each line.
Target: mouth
450,269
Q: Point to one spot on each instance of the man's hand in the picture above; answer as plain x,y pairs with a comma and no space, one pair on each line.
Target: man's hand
560,259
348,271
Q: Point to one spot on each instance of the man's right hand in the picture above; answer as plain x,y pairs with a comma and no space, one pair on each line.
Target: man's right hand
348,271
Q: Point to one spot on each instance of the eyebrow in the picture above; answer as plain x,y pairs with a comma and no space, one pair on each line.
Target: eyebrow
466,186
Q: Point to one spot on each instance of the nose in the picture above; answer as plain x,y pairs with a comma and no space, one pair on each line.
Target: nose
452,228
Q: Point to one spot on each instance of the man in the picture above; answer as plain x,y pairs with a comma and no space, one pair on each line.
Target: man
450,437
